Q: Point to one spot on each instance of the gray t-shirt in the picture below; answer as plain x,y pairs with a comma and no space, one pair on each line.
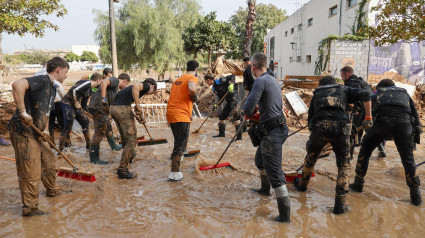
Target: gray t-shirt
111,91
267,94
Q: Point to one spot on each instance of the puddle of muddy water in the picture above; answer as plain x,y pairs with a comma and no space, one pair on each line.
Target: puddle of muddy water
211,205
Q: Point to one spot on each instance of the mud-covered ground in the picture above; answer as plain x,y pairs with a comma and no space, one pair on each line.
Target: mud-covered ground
210,204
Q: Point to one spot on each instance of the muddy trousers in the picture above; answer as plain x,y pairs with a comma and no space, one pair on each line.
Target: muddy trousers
102,126
341,147
34,161
69,114
401,131
181,134
124,118
269,155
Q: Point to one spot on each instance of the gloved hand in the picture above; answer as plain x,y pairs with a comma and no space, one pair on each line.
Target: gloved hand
367,123
77,105
46,136
231,87
215,108
25,117
418,130
104,101
194,98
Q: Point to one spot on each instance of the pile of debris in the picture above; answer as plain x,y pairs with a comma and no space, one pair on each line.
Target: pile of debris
7,106
419,100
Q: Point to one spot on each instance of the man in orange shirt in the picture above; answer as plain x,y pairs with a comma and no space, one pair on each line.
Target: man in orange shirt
179,112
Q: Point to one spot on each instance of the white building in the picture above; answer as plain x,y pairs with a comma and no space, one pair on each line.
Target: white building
78,49
293,44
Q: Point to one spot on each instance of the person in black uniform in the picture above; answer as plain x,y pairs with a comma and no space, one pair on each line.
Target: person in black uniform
72,109
328,123
351,80
120,111
220,87
395,117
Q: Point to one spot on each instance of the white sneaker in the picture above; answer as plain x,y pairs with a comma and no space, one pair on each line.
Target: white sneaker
175,176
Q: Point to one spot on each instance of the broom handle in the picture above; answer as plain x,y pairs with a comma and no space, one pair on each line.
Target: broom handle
295,132
218,104
1,157
233,139
54,146
420,164
144,124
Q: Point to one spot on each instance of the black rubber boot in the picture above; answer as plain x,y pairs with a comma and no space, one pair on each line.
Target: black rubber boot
94,155
340,207
297,184
357,186
265,185
221,130
415,196
382,154
284,206
126,174
239,137
245,127
114,146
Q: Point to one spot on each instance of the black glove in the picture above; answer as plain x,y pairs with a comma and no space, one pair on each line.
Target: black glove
194,98
417,131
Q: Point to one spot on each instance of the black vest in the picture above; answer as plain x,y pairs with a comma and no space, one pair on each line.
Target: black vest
330,97
392,96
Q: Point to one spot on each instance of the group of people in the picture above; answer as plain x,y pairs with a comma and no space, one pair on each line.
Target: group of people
335,113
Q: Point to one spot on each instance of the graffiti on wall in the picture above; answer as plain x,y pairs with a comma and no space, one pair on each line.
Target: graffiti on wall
408,59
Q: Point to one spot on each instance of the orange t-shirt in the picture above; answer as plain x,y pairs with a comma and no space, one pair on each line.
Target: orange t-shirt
180,105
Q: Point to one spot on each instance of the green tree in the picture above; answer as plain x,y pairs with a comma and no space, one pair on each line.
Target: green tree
209,35
268,17
26,16
148,33
398,20
88,56
70,57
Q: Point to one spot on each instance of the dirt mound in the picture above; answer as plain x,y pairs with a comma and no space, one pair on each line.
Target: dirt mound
419,99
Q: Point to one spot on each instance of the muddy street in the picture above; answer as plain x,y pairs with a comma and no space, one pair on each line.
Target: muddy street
211,204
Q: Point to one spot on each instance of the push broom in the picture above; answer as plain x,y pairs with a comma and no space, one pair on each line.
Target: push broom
66,172
212,111
141,141
218,165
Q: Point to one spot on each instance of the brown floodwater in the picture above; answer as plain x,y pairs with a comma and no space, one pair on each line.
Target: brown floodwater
211,204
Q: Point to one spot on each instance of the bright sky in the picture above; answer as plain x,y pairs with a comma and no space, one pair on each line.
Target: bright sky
77,28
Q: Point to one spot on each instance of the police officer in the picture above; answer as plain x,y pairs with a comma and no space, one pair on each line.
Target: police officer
72,109
271,133
395,117
220,87
328,123
351,80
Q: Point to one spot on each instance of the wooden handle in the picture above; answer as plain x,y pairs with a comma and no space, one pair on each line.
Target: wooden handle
1,157
218,104
295,132
54,146
144,124
233,139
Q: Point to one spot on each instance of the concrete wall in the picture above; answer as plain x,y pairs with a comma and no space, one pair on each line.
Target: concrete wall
307,39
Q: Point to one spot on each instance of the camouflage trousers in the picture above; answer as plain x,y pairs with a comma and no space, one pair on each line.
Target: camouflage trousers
341,147
34,162
124,118
102,126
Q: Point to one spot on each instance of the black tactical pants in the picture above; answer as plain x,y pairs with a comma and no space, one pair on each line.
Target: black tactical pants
269,155
385,128
55,114
69,114
181,134
341,147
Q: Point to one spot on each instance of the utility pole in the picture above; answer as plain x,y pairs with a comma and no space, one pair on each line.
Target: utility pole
113,39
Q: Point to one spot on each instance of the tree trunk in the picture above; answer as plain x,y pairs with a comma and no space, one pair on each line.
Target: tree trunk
209,57
252,15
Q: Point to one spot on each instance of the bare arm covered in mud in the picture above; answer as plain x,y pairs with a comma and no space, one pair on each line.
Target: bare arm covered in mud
135,91
18,91
104,84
